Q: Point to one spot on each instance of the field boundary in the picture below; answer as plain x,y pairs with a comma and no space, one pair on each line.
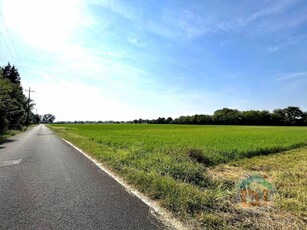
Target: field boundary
156,210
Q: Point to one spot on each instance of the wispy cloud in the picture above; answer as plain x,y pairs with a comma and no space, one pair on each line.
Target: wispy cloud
188,24
122,8
265,20
288,41
291,76
273,9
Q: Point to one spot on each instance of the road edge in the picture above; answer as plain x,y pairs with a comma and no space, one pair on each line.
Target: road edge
162,214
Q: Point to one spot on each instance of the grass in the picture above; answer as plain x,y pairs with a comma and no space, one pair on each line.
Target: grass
183,166
288,171
8,134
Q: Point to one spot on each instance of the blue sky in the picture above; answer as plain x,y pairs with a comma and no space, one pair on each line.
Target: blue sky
121,60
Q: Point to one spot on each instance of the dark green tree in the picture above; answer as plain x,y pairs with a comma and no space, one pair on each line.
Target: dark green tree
293,115
11,73
227,116
13,103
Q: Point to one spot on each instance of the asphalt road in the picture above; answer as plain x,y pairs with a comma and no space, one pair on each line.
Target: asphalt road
47,184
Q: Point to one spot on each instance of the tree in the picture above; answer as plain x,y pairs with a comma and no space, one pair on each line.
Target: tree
169,120
288,116
293,115
12,100
48,118
252,117
6,103
279,117
227,116
304,118
203,119
35,118
161,120
11,73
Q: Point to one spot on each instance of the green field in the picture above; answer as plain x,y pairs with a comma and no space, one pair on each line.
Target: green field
213,144
173,163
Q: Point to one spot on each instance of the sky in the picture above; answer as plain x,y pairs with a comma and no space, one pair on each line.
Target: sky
124,60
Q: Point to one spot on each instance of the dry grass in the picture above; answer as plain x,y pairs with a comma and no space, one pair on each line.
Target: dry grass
287,172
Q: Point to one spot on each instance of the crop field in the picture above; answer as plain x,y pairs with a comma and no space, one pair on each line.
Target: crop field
209,145
176,164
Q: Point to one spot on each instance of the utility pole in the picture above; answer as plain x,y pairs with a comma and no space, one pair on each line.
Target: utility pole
28,114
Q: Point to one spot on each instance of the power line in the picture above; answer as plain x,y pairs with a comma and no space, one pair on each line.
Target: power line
8,48
10,37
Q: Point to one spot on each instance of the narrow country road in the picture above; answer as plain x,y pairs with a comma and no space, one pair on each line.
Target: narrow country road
47,184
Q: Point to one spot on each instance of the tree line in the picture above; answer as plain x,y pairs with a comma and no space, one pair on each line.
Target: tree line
15,107
290,116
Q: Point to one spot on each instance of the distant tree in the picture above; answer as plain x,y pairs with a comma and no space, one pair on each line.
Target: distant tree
169,120
251,117
204,119
49,118
192,119
304,118
227,116
183,120
293,115
288,116
161,120
279,116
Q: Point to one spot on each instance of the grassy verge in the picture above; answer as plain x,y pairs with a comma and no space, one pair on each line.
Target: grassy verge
179,176
9,133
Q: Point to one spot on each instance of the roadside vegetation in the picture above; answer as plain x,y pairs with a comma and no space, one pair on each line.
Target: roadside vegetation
15,108
193,170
